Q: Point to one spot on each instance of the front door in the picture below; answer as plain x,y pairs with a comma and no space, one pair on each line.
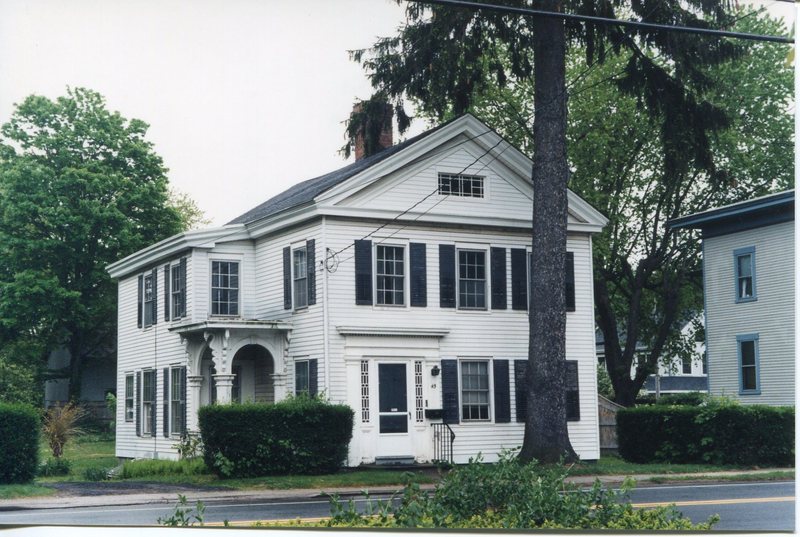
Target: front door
394,439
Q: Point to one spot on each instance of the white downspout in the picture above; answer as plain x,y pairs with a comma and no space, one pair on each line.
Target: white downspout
325,357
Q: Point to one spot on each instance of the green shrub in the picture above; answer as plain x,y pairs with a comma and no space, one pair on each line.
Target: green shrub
147,468
510,495
688,398
19,443
95,473
300,435
54,467
718,432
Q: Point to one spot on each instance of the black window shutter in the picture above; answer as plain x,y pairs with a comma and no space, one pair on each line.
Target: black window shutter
183,398
521,388
447,277
139,301
287,278
519,279
450,412
572,397
419,274
363,272
154,302
166,292
499,300
502,399
166,402
183,287
136,402
311,272
313,386
153,392
569,291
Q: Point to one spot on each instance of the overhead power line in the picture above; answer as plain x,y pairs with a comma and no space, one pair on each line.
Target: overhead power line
604,20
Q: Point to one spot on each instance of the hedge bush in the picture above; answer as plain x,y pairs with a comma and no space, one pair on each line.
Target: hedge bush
716,433
19,443
300,435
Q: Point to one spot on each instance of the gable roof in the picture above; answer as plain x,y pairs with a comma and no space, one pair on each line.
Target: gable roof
305,192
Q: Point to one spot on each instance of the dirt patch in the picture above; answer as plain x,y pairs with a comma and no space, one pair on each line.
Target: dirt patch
104,488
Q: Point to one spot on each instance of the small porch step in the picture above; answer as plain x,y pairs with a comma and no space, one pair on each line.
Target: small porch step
406,460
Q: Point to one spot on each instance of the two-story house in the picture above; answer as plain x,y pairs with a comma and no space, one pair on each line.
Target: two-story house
397,285
748,284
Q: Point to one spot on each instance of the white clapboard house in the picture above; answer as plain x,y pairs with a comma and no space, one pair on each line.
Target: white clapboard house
397,285
749,294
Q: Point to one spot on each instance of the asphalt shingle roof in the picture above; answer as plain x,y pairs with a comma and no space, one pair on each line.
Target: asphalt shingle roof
306,191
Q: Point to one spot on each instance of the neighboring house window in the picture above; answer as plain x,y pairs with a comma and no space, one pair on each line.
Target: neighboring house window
148,401
471,279
149,299
390,275
224,288
301,377
129,397
236,389
300,275
475,390
686,365
748,363
178,289
745,259
458,184
705,363
177,401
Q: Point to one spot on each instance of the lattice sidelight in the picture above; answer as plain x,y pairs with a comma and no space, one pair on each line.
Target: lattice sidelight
420,411
364,391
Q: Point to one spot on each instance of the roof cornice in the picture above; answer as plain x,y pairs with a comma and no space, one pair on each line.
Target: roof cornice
742,209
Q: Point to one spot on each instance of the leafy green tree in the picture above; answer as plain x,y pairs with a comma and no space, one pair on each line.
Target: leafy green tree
81,187
648,282
443,58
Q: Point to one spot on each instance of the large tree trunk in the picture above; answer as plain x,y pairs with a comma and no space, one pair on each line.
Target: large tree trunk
546,438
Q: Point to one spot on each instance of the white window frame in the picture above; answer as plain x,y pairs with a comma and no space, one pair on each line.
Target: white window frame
489,390
175,296
130,406
147,421
303,362
177,403
486,279
295,279
239,301
461,177
405,277
147,309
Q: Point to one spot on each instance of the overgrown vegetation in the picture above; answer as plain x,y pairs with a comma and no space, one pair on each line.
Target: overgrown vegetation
184,515
511,495
19,443
300,435
55,467
61,425
718,431
153,468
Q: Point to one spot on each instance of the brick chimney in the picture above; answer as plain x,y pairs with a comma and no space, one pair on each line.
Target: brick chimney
384,140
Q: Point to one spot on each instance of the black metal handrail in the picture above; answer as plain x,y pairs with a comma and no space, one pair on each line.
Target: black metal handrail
443,439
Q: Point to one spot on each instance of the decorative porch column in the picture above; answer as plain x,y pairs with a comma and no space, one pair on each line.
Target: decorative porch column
224,385
193,385
280,385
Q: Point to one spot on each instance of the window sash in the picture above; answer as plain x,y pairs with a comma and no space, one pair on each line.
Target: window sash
475,390
300,277
744,276
177,292
148,378
177,401
225,288
149,297
301,376
748,364
458,184
471,279
128,397
686,366
390,275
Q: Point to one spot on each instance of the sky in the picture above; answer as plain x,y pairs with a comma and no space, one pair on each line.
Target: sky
244,97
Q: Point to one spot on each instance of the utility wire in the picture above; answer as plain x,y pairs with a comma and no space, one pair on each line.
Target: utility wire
604,20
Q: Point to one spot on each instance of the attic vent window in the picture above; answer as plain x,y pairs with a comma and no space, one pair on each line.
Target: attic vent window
457,184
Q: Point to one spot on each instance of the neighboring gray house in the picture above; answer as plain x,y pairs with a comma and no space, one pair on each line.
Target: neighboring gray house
748,282
396,285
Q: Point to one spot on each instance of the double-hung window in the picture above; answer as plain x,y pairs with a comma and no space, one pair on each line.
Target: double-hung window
149,299
177,290
300,277
129,397
225,288
301,377
686,365
745,264
390,275
475,390
472,279
148,401
177,399
748,364
459,184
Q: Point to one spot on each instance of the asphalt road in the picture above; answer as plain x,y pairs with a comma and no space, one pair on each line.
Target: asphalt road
741,506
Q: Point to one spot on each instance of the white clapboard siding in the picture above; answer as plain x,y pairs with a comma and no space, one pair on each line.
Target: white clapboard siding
153,347
771,316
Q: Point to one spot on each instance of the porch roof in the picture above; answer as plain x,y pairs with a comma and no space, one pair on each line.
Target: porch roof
230,324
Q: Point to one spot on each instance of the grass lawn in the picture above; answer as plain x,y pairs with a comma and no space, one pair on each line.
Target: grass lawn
614,465
8,492
86,451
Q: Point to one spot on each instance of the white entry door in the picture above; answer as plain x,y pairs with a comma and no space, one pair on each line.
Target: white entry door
394,414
